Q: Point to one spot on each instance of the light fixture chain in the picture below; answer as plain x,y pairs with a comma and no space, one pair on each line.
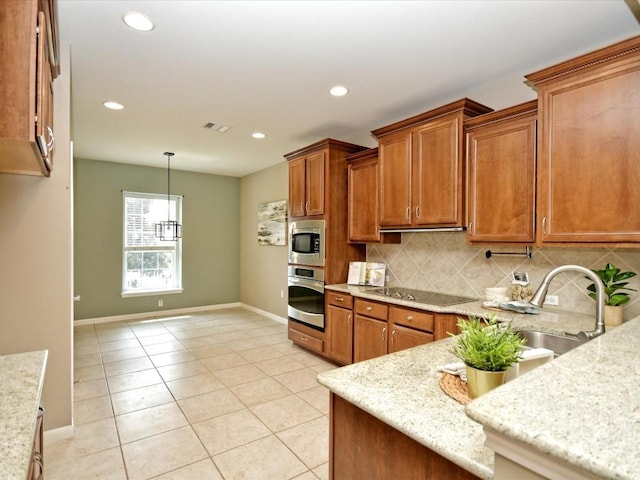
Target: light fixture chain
169,155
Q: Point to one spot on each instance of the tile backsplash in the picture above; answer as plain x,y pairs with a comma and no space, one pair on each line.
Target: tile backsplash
443,262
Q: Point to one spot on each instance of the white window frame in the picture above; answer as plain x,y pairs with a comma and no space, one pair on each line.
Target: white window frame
159,245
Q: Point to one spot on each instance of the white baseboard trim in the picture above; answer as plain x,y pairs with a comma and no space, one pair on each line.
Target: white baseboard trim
51,436
270,315
163,313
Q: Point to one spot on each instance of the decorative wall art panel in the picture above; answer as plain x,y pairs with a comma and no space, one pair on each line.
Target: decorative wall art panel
272,223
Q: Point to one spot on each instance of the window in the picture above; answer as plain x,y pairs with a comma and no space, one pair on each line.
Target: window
150,265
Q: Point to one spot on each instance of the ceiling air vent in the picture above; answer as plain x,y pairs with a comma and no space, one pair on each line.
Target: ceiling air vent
216,127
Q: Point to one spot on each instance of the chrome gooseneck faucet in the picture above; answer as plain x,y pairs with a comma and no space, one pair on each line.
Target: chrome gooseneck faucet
541,293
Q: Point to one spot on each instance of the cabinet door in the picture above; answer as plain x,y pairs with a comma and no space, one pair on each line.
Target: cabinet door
370,338
589,161
444,324
339,334
402,338
297,181
501,182
395,179
315,184
437,174
363,201
44,97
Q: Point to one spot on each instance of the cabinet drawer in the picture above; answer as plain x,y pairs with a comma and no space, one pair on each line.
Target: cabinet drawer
308,341
411,318
371,309
338,299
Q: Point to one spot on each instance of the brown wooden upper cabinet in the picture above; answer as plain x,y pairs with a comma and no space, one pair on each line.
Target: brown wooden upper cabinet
363,195
311,170
501,158
589,147
421,168
306,185
29,64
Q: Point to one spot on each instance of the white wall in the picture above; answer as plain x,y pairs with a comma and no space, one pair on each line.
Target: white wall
36,262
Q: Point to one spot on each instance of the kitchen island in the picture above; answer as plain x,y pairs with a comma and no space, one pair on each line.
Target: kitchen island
579,412
21,383
402,390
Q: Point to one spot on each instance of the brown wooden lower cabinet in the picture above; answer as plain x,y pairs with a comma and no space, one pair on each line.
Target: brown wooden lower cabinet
370,338
306,337
402,338
363,447
445,324
339,334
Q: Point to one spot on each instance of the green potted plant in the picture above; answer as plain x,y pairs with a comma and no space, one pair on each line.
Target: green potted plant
614,282
487,348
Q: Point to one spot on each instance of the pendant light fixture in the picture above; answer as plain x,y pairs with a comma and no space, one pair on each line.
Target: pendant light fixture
169,230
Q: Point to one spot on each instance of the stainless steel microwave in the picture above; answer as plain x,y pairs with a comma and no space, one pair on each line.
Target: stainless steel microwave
306,242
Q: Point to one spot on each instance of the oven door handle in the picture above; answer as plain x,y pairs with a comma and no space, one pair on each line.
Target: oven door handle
312,284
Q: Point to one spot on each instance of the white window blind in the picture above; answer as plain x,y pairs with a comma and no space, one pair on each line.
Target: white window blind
150,265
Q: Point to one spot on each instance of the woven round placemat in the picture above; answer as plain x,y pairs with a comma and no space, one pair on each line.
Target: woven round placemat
455,387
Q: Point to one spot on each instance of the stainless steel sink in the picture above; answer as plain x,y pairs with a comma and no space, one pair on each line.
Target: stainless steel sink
556,343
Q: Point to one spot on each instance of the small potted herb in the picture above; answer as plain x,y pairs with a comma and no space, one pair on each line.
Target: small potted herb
487,348
614,282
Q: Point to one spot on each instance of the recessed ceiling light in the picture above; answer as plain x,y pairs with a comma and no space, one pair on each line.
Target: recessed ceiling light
258,135
138,21
339,91
113,105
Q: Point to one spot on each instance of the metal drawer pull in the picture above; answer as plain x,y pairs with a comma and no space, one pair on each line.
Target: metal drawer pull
408,212
544,225
369,308
339,299
349,319
384,334
393,337
304,339
409,318
418,211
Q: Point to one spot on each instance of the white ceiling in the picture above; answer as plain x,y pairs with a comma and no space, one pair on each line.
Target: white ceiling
268,65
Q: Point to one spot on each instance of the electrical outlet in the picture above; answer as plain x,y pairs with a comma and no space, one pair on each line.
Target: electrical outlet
551,300
281,293
160,302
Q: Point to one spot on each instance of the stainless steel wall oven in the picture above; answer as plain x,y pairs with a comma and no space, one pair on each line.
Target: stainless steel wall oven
306,296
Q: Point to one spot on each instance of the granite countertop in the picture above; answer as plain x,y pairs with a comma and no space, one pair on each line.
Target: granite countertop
21,382
583,408
550,319
402,389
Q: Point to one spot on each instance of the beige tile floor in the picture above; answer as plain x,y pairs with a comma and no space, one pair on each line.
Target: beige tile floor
215,395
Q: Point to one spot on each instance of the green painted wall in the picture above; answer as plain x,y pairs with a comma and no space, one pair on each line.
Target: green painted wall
210,243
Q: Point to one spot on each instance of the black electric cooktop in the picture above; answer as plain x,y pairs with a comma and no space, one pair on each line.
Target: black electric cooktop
432,298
